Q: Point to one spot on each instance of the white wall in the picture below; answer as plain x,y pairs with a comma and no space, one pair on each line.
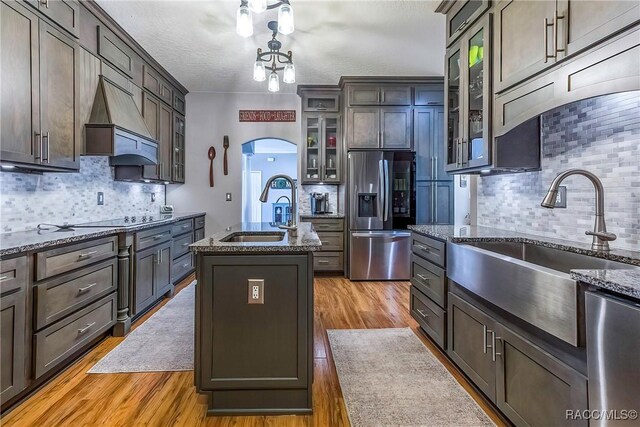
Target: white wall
209,117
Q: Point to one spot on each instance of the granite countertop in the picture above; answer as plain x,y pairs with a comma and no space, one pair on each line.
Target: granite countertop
323,215
25,241
626,282
622,281
307,240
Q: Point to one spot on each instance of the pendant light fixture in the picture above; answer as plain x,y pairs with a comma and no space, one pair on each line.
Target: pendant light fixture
244,19
273,60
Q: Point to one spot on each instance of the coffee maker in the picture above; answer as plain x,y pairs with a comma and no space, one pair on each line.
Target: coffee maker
319,203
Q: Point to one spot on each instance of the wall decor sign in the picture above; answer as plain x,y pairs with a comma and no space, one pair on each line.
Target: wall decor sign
267,115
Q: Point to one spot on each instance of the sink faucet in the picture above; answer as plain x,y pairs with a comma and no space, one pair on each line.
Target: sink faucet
292,225
601,237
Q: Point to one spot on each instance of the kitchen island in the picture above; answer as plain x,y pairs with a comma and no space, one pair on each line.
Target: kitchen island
254,319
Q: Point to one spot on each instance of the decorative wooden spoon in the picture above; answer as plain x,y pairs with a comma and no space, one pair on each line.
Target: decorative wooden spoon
225,144
212,155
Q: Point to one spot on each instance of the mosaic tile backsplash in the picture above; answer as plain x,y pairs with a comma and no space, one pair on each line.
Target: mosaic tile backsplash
601,135
27,200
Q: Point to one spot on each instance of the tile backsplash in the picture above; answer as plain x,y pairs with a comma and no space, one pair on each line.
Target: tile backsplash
304,200
27,200
601,135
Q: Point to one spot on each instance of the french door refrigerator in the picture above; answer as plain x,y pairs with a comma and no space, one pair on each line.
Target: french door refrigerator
382,203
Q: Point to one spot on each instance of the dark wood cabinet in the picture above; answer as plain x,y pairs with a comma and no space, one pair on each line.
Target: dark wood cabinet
462,15
322,152
13,327
115,51
428,95
377,128
379,95
155,84
159,118
178,148
65,13
434,202
523,369
152,276
428,142
363,128
395,128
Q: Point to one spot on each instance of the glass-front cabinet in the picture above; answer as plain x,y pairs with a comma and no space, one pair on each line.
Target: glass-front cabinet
322,148
468,99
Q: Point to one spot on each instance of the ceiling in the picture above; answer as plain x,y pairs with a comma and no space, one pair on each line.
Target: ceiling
196,40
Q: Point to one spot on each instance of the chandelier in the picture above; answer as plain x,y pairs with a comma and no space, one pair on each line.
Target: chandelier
244,20
275,61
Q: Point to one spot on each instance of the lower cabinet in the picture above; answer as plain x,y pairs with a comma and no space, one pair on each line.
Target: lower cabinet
152,276
528,385
330,258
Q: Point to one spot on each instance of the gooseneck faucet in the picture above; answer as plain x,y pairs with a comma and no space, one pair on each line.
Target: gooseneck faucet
601,237
292,225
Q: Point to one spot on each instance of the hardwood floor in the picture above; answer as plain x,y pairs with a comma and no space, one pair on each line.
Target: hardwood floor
75,398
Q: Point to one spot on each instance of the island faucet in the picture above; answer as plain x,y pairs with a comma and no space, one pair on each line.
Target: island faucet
292,225
601,237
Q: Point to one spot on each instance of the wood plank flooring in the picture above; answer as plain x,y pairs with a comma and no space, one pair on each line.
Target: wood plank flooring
75,398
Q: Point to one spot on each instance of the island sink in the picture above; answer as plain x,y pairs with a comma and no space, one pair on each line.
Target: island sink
243,237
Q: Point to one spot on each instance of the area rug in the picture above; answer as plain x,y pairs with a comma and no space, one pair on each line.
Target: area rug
164,342
389,378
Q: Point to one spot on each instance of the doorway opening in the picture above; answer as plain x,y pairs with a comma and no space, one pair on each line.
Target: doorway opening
261,159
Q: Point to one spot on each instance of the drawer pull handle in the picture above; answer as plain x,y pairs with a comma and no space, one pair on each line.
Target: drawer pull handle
86,328
185,265
3,278
186,244
86,288
323,262
185,226
87,255
158,236
422,248
323,226
422,313
423,277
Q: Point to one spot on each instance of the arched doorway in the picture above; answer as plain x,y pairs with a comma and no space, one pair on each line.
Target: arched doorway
261,159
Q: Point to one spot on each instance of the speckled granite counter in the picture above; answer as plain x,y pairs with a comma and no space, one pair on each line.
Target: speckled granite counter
467,233
325,215
625,282
26,241
307,240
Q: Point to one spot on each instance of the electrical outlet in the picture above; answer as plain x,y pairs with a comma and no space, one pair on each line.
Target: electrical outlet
100,198
256,291
228,197
153,197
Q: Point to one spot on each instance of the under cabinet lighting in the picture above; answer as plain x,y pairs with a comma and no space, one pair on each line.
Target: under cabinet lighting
8,167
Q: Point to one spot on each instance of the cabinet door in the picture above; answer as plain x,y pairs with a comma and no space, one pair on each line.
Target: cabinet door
178,148
523,40
584,22
363,128
145,272
428,143
19,87
437,146
424,195
65,13
396,128
329,103
453,105
429,95
523,371
364,95
165,141
163,270
12,344
461,15
443,202
331,147
396,95
151,113
59,98
312,154
468,345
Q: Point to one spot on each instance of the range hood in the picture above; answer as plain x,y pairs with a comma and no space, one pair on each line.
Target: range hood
116,128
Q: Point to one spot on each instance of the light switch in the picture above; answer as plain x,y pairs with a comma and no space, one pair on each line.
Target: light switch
228,197
100,198
255,291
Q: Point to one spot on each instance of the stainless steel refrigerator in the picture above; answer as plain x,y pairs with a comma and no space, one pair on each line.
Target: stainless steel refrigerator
382,202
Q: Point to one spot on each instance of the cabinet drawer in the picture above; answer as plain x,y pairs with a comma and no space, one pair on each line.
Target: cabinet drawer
429,279
328,261
181,245
429,95
59,297
331,241
65,13
181,227
199,222
154,83
56,343
429,249
326,224
13,275
181,267
155,236
198,234
430,317
60,260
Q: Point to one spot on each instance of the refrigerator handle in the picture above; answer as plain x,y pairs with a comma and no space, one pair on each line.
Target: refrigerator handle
387,190
381,184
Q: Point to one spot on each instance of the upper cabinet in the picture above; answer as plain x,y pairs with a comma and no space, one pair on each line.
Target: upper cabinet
159,119
379,95
428,141
462,16
156,85
468,99
178,171
65,13
379,128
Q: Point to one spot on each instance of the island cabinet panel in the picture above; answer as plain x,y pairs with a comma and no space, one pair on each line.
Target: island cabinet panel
255,358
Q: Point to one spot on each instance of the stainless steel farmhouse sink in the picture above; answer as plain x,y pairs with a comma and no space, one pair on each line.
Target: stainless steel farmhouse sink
529,281
253,236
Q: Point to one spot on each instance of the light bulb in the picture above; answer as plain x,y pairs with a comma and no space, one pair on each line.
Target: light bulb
244,22
258,6
289,75
285,19
274,82
259,73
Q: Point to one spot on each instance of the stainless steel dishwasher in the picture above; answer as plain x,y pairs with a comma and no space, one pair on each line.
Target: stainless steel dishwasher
613,359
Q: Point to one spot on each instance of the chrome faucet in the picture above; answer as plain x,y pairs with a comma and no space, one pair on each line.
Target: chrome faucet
601,237
292,225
